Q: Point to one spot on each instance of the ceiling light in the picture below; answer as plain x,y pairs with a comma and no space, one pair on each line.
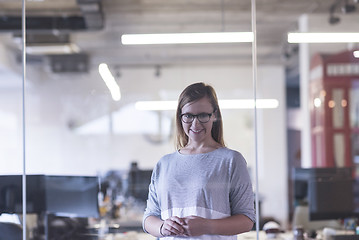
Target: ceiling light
317,102
356,54
224,104
52,49
110,81
183,38
248,103
323,37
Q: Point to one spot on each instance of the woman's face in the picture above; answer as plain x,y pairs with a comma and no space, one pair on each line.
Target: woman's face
200,111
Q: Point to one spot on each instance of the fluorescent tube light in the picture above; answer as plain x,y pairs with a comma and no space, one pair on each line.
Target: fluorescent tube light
110,81
248,103
323,37
224,104
51,49
183,38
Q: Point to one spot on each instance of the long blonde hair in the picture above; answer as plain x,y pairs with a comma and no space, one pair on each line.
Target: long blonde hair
193,93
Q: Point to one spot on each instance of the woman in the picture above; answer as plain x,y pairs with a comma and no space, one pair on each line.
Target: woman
203,190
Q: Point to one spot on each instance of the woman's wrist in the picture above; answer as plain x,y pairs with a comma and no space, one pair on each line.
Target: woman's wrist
161,229
210,226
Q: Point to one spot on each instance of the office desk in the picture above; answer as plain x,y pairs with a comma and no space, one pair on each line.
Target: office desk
262,236
143,236
339,235
118,236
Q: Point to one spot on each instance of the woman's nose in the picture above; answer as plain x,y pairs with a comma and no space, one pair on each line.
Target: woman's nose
196,121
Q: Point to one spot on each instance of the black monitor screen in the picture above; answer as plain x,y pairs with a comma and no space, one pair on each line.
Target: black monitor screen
138,183
331,199
11,194
331,193
72,196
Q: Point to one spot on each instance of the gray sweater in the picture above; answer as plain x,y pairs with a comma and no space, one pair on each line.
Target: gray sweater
210,185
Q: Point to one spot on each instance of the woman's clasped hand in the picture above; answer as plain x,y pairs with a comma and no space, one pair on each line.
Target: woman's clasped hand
186,226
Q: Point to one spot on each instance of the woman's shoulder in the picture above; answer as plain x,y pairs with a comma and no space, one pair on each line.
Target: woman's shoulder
231,155
167,157
164,162
230,152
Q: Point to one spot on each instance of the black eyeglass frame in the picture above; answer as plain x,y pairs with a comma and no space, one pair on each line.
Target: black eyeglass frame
196,116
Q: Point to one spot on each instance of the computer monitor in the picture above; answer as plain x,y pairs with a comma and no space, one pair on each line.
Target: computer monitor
11,194
74,196
300,185
138,183
331,193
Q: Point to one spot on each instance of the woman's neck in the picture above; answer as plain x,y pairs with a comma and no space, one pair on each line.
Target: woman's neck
195,148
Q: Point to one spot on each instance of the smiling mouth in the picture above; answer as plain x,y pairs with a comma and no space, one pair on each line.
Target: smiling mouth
196,131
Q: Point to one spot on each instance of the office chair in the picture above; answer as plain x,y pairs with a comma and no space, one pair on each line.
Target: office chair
10,231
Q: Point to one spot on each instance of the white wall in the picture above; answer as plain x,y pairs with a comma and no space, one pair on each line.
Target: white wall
54,148
272,145
10,120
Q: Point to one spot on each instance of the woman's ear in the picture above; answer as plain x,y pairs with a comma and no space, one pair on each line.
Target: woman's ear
215,116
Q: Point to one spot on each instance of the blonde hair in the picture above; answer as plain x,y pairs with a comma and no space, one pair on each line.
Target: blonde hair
193,93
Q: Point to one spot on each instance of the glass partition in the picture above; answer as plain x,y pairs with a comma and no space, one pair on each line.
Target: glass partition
80,129
326,113
11,136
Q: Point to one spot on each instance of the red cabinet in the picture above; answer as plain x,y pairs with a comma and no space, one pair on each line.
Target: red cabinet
334,107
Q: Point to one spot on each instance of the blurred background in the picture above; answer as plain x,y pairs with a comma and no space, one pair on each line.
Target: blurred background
75,126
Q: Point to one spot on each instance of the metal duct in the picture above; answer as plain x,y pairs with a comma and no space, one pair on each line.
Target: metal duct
92,13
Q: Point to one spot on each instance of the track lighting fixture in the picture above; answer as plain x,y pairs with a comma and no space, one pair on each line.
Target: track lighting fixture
348,8
332,18
345,7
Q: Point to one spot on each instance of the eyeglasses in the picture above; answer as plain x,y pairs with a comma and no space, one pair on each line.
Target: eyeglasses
202,117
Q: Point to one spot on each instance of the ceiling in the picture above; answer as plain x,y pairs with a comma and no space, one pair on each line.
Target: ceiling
96,27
